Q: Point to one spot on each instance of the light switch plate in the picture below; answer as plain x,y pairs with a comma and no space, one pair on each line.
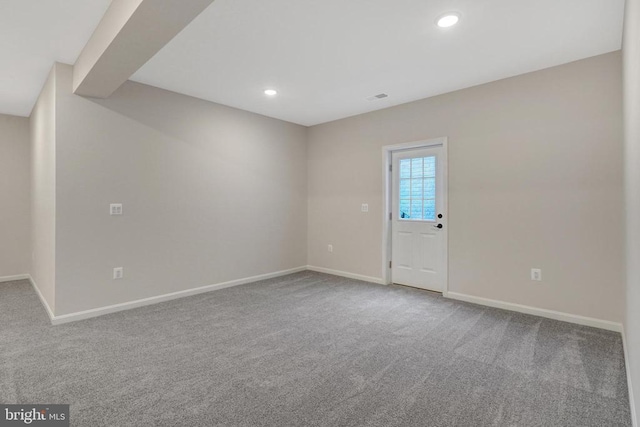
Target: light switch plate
118,273
115,209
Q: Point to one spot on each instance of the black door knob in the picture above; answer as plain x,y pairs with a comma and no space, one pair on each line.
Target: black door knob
439,215
439,226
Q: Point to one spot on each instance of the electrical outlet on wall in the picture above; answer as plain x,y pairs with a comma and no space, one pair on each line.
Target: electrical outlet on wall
364,207
536,274
330,248
118,273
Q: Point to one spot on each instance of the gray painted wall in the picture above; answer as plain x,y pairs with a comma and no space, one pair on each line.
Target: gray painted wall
14,196
213,194
631,52
210,194
43,191
535,180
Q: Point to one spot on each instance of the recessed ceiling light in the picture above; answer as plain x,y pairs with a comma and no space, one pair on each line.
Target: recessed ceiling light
448,20
270,92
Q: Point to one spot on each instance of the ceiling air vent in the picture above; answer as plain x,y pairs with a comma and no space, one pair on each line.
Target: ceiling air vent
378,96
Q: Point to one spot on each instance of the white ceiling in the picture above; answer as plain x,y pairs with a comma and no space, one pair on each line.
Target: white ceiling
326,57
33,35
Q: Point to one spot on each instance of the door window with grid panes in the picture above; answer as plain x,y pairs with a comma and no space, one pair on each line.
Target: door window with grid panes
417,189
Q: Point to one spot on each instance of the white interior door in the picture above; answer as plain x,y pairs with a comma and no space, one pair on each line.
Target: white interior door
419,218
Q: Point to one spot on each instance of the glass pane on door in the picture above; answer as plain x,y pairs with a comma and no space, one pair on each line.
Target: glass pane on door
417,189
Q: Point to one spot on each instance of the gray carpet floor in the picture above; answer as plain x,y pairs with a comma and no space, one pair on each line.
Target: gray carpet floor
311,349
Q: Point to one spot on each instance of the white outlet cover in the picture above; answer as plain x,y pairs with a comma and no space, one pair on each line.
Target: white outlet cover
536,274
365,207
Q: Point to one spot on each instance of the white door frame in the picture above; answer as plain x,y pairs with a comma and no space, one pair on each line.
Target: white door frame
387,151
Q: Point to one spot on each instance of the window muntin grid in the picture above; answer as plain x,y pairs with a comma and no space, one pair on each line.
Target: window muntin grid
417,189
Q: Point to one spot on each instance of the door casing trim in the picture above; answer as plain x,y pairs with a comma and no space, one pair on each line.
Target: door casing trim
387,200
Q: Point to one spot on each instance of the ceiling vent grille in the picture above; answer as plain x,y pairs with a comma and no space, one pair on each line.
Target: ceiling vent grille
378,96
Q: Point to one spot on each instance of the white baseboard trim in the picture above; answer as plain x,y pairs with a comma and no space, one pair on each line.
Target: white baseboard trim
345,274
550,314
14,278
42,300
100,311
632,407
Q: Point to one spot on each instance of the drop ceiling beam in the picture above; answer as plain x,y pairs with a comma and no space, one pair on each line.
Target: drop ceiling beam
129,34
